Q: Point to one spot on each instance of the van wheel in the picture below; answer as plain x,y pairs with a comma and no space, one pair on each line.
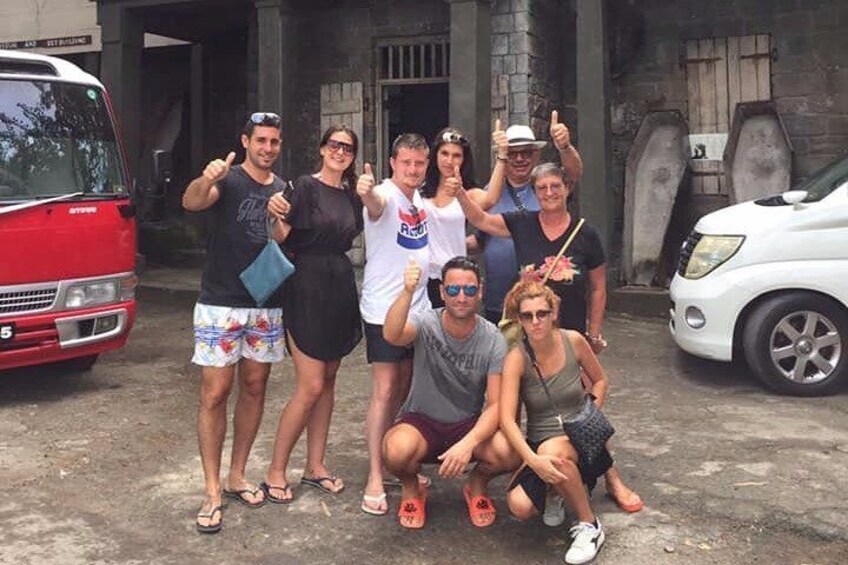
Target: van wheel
80,363
796,344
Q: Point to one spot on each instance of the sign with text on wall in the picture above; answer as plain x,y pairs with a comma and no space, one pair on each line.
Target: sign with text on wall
709,146
70,41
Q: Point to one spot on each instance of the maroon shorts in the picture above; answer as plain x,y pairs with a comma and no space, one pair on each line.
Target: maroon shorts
438,435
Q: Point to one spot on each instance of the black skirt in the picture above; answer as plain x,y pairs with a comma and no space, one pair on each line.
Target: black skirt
321,306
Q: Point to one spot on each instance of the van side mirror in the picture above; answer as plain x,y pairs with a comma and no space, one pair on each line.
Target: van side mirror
161,168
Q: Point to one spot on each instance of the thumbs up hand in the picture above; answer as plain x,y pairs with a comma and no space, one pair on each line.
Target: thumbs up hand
217,169
411,275
366,182
559,133
453,185
499,141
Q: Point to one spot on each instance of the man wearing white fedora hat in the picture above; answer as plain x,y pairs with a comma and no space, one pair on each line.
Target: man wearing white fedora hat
523,153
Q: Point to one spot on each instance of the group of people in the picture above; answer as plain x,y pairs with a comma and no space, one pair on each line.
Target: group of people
445,387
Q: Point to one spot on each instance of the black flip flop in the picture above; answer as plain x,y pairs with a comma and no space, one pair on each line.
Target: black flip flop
275,499
316,483
211,528
238,495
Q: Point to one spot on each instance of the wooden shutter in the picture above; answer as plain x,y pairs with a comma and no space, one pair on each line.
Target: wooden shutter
341,103
721,72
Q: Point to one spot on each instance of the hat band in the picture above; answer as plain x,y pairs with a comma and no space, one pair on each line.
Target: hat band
522,140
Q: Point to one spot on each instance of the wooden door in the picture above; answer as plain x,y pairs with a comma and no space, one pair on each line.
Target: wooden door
341,103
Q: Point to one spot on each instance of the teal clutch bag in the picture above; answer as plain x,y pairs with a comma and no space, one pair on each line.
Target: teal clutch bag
267,272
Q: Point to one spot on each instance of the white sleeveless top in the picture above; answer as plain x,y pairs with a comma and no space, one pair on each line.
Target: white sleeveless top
446,231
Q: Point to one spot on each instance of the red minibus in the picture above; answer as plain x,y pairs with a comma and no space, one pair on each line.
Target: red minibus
67,224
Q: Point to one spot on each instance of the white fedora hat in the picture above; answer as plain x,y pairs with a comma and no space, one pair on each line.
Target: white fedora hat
522,136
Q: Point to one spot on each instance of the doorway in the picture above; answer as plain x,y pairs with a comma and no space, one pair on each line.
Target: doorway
412,91
413,108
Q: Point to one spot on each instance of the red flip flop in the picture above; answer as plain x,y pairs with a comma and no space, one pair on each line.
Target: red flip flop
630,508
481,509
414,510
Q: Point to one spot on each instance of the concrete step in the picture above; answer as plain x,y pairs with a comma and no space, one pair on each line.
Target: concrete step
644,301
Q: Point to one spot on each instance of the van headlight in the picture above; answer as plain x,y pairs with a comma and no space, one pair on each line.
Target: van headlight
91,294
710,252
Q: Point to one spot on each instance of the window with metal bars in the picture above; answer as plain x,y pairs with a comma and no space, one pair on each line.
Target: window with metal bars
415,61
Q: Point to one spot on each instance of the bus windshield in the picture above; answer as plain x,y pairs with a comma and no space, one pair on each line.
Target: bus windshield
56,138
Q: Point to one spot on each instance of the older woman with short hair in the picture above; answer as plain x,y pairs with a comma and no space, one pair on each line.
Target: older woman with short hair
579,272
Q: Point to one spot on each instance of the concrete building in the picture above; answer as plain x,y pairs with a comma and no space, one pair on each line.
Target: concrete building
386,66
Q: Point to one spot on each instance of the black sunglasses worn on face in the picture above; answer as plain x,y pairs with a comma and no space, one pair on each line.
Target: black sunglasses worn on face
335,145
452,290
266,119
538,314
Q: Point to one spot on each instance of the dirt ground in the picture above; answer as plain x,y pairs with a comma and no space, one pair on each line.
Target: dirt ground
102,468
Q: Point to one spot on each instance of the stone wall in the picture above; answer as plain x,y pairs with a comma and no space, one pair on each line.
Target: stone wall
809,72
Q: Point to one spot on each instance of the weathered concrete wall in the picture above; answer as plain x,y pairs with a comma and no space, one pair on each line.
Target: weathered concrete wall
809,73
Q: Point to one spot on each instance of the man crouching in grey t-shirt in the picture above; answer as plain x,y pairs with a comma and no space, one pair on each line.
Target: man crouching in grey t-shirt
451,414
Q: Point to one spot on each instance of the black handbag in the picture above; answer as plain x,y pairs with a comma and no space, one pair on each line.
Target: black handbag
268,271
589,429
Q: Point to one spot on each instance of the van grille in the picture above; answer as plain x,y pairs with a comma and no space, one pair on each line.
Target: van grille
686,251
27,300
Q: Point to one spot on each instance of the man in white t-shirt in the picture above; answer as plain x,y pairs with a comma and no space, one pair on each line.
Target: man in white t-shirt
395,231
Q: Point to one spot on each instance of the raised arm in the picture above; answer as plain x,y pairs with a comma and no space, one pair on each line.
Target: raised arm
488,198
278,208
568,155
397,329
493,224
372,200
202,192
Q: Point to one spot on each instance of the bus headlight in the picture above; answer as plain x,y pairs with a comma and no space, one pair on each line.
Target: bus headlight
91,294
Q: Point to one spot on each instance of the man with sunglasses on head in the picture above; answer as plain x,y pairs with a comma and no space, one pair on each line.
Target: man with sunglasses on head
523,154
450,416
230,330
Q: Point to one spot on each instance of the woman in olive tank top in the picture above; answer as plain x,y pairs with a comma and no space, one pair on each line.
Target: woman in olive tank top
549,457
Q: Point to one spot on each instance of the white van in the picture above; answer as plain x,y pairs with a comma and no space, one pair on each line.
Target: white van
768,279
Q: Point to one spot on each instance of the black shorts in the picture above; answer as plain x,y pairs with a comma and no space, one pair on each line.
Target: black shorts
378,350
537,489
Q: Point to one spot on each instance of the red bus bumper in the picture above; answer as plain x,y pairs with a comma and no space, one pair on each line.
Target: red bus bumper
68,334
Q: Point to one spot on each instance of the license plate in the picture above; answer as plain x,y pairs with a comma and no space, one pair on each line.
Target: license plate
7,331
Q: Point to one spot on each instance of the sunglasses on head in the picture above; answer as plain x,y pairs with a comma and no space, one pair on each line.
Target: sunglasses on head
540,315
453,137
452,290
335,145
266,119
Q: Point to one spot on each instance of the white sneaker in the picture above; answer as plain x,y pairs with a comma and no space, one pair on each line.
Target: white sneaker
588,540
554,510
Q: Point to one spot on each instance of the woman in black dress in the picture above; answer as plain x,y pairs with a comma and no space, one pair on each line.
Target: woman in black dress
578,274
320,305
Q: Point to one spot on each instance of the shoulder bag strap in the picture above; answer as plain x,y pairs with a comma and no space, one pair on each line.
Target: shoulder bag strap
538,371
519,205
562,250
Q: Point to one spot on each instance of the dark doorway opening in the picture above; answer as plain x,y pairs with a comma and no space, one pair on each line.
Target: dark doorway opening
414,108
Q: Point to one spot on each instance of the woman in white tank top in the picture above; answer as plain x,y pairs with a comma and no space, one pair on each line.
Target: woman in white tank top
452,163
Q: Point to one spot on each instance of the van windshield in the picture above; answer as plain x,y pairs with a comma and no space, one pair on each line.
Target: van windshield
56,138
826,180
